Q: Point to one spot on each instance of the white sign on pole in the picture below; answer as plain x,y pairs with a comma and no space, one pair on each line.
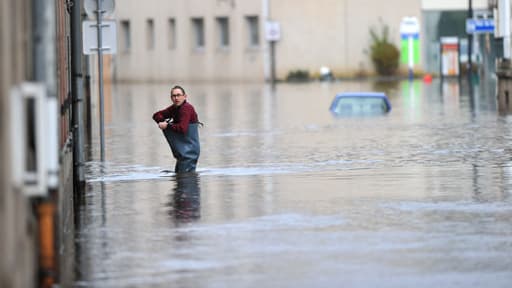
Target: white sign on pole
409,26
272,31
410,31
90,37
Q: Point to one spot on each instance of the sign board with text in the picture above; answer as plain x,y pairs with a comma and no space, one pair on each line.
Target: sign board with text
410,41
449,56
479,26
272,31
90,37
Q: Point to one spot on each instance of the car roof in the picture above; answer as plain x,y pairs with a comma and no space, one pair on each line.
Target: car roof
362,94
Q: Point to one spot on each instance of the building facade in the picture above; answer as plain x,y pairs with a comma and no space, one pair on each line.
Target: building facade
36,218
17,221
447,19
198,40
225,40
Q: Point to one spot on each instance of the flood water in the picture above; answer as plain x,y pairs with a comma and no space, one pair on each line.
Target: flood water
286,195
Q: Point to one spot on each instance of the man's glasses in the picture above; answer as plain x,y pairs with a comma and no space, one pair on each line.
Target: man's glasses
176,95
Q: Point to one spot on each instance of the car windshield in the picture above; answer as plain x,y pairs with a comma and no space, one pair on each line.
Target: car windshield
360,105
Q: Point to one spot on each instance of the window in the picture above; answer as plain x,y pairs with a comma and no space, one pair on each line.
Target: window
172,34
223,31
150,34
253,31
198,31
125,36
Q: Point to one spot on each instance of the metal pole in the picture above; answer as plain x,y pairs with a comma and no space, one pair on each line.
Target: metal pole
470,41
410,57
273,63
44,72
266,52
77,95
99,13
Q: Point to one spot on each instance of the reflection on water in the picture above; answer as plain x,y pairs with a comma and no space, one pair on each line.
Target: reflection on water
185,202
388,87
286,195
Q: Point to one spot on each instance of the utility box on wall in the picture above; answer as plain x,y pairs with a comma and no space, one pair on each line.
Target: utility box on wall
34,138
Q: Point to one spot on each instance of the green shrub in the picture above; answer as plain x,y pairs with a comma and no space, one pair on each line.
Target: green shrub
385,56
298,76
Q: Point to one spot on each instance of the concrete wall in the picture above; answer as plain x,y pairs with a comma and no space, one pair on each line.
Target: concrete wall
452,4
314,33
334,33
504,91
185,62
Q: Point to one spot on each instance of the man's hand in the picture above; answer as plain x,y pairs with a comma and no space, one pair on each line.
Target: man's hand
162,125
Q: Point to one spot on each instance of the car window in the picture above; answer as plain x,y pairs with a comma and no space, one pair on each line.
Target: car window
360,105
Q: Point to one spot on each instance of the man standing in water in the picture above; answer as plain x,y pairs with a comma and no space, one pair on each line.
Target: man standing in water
179,123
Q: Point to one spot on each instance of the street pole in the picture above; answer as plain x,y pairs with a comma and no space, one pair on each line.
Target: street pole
470,42
266,51
273,63
410,57
99,13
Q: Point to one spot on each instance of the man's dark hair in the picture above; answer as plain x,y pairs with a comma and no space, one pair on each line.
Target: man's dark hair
179,87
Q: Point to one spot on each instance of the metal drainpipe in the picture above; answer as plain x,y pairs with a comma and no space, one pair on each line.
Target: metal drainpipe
266,47
77,96
44,71
470,42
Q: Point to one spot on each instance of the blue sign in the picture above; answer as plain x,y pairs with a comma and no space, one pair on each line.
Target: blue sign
478,26
409,27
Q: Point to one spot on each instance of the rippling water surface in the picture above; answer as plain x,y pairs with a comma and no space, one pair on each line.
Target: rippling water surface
286,195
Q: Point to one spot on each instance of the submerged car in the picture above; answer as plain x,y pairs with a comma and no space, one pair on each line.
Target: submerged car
360,103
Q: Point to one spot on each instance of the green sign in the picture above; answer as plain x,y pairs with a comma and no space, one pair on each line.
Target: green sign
404,52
